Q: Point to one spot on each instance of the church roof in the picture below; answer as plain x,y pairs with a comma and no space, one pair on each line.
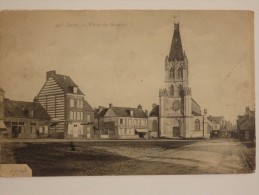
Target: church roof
196,109
154,112
176,51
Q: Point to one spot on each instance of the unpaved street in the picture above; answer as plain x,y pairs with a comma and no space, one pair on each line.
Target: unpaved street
131,157
212,156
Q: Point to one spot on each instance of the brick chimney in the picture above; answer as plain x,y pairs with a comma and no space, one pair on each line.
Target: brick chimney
139,106
110,105
131,113
50,73
153,106
146,112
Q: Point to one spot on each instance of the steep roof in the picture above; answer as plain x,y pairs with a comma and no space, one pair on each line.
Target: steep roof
100,113
66,83
87,106
122,112
1,89
176,51
249,124
196,109
18,109
154,112
125,112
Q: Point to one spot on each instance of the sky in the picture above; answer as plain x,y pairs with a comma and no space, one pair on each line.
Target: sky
118,56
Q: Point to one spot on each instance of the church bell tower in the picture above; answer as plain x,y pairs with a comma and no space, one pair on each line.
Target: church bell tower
175,98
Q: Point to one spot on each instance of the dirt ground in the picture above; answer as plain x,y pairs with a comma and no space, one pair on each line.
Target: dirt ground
159,157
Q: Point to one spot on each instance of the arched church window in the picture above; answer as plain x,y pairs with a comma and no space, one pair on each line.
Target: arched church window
172,73
180,73
171,90
197,124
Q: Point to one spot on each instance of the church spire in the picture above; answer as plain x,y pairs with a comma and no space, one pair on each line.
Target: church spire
176,51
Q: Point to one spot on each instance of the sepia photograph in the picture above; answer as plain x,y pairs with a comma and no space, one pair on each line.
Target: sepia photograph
127,92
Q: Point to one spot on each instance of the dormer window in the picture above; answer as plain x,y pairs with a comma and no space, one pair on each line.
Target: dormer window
74,89
30,113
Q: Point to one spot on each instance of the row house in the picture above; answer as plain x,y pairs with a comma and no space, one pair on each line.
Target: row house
2,125
61,97
21,119
121,122
246,125
218,125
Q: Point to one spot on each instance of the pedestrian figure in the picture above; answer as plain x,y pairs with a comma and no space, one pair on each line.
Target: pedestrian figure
72,146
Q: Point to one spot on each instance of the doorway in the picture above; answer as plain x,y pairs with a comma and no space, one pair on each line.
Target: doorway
75,131
176,131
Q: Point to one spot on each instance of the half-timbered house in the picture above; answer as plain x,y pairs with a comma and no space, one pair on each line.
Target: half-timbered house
64,102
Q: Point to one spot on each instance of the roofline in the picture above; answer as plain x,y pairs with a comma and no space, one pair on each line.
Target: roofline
45,84
66,76
21,101
195,102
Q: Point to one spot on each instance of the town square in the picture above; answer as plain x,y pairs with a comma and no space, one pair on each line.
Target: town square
91,93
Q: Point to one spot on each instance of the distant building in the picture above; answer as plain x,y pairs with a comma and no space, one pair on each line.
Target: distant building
153,122
2,125
229,130
179,114
64,102
88,120
246,125
218,125
121,122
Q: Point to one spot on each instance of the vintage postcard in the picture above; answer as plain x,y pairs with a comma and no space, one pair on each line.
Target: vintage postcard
159,92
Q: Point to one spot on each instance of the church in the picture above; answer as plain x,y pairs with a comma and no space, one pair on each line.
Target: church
179,114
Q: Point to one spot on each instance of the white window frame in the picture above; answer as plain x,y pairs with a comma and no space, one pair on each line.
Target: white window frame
46,129
78,115
88,118
72,103
130,122
81,115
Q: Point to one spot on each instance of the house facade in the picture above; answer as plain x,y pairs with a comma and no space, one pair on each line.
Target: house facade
88,121
121,122
2,125
61,97
25,120
246,125
179,114
218,126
